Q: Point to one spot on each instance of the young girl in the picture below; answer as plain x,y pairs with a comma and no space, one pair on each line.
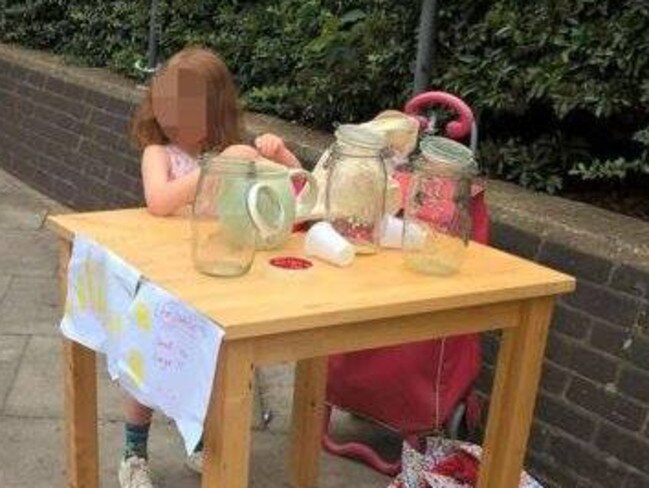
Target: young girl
191,107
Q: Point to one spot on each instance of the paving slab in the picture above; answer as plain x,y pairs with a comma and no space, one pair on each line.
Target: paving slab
4,286
28,253
21,217
30,306
7,183
38,389
29,453
15,192
275,384
11,351
269,467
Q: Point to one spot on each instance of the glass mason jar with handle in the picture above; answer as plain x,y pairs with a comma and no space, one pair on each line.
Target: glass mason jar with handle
232,210
437,215
357,180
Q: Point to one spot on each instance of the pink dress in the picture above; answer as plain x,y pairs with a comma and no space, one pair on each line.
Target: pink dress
181,162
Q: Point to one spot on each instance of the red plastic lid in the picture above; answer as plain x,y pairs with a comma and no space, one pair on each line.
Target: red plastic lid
291,263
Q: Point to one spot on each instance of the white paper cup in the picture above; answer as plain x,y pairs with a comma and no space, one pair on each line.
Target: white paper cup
392,232
323,242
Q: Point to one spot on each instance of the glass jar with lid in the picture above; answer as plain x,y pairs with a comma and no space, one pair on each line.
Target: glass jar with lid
357,180
437,216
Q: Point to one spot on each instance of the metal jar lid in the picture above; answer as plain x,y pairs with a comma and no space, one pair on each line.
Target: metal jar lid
447,156
356,135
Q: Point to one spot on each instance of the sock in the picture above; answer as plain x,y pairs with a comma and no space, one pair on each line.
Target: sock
136,437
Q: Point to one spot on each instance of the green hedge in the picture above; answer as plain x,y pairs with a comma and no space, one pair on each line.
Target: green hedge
561,86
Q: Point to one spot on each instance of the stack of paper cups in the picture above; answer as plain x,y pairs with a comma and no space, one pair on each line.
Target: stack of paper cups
392,234
322,241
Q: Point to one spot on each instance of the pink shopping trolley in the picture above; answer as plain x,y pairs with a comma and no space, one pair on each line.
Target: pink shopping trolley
416,388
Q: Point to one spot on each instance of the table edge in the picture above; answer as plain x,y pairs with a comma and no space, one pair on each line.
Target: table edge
53,223
250,330
563,284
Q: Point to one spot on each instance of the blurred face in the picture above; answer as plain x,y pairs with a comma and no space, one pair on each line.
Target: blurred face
180,105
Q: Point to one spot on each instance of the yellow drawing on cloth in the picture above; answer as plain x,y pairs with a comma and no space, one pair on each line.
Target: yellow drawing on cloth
115,324
136,367
90,287
143,317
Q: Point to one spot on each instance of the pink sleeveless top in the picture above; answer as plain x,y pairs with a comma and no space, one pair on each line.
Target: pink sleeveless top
181,162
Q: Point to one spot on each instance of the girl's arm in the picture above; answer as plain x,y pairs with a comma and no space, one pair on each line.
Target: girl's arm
164,197
240,151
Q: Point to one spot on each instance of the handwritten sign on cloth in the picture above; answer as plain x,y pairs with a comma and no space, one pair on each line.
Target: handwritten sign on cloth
167,358
161,351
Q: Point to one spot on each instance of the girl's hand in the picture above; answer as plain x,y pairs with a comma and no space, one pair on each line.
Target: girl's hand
272,147
269,145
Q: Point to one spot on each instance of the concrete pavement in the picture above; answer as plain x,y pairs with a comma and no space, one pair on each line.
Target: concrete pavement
31,429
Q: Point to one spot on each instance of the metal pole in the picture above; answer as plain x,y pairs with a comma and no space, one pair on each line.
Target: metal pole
152,52
425,46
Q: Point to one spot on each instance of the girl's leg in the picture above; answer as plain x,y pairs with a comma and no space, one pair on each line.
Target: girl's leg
138,422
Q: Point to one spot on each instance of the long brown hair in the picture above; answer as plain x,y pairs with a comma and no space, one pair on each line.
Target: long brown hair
223,113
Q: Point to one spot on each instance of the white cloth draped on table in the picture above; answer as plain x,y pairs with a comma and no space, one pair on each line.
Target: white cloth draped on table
161,351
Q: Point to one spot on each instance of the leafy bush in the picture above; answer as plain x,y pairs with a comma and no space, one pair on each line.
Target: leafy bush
561,86
39,23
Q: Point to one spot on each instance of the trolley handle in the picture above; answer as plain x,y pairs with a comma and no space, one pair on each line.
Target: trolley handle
456,129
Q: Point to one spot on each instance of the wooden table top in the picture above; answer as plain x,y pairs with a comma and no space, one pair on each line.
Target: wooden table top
268,301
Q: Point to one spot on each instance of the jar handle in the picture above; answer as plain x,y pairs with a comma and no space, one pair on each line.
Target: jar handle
265,228
308,196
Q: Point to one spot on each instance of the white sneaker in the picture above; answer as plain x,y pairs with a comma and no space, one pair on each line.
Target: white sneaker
195,462
134,473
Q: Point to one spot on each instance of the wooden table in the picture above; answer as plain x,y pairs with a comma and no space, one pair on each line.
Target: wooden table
271,317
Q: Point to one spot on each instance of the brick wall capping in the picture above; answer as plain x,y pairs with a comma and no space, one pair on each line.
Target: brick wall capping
99,79
575,225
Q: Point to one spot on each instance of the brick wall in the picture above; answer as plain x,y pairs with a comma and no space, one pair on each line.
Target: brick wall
66,139
591,427
62,130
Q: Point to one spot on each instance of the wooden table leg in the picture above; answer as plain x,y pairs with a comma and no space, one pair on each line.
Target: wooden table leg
513,398
81,415
80,396
307,422
228,423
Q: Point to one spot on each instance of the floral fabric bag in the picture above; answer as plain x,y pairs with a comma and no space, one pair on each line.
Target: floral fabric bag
445,463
